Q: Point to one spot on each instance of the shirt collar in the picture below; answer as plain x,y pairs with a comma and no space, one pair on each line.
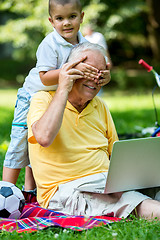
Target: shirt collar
62,41
81,39
88,109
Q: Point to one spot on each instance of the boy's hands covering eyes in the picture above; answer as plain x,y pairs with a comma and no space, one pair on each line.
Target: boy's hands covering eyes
101,77
90,72
104,77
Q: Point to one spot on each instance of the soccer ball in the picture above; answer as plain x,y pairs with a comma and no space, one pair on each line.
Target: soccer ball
11,200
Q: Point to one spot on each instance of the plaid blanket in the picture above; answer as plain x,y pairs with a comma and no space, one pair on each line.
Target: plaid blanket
34,218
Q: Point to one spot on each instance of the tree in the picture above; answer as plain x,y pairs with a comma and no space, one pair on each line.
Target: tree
25,25
154,27
124,24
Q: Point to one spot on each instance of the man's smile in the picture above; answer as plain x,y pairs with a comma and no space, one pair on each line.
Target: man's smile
90,87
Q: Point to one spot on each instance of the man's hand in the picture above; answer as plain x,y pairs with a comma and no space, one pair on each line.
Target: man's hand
47,127
68,75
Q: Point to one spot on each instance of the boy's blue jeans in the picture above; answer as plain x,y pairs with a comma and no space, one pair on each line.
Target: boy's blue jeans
17,153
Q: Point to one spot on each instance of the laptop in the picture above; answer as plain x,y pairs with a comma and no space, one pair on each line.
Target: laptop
134,164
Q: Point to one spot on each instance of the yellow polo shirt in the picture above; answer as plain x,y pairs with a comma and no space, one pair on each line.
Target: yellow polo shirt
82,146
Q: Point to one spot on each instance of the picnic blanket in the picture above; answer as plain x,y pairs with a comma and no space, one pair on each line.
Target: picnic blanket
34,218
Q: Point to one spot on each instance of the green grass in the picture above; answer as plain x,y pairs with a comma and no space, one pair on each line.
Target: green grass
132,111
123,230
129,112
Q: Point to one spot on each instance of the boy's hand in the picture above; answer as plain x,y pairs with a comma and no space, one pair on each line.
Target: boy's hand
90,72
104,77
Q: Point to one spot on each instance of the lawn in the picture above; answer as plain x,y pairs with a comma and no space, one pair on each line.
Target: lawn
131,113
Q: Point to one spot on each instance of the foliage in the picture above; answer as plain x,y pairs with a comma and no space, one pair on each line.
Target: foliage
125,25
25,24
113,17
123,79
93,12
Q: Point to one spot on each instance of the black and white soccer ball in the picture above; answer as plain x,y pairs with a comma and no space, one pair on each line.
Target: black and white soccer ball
11,200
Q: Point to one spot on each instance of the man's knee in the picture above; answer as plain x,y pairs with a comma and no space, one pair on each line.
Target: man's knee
148,209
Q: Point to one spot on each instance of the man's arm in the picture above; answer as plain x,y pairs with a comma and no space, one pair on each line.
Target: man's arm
47,127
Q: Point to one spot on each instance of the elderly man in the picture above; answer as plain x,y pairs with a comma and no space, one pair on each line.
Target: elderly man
71,134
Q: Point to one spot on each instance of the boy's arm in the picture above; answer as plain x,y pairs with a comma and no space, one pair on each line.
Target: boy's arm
50,77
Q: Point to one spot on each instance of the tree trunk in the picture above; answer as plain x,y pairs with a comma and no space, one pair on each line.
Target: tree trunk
154,27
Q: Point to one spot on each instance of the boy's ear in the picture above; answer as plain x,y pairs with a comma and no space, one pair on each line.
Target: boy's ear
82,15
51,21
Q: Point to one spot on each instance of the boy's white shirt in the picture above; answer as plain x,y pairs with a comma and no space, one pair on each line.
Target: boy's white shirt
52,53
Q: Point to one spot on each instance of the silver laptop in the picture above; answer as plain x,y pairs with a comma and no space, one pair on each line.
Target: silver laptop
134,164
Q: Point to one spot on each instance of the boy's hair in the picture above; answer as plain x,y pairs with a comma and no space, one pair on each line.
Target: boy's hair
52,3
82,47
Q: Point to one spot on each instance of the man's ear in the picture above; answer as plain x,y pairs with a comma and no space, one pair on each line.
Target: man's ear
51,21
108,66
82,15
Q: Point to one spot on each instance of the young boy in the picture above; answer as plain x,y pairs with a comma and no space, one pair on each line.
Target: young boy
65,17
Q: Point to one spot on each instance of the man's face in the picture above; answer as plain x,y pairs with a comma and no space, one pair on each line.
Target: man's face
66,19
88,89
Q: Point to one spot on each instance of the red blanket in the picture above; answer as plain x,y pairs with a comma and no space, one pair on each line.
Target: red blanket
34,218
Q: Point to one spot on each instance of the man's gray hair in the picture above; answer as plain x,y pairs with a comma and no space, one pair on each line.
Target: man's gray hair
77,51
